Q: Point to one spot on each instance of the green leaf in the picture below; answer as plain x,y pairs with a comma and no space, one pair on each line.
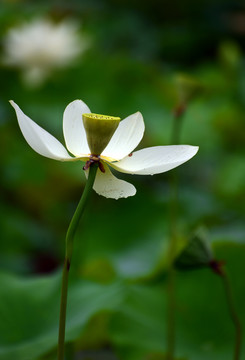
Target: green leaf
29,312
204,329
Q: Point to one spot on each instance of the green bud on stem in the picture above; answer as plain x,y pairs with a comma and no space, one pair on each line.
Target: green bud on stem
188,88
197,253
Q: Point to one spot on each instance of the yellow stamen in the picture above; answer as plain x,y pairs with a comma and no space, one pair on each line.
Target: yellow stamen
101,117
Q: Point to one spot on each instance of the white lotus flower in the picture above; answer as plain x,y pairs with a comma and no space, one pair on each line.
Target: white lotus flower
117,154
41,46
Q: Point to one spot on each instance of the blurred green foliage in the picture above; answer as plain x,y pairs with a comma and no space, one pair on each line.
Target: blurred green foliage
117,297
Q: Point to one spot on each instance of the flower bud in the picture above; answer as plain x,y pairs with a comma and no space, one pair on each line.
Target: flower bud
99,130
187,88
197,253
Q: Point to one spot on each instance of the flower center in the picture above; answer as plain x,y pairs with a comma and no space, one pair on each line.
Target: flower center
99,130
93,159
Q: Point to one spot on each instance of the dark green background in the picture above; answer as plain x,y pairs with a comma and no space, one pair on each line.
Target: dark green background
117,298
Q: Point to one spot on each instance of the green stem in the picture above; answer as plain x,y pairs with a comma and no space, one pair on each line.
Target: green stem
177,124
171,301
68,255
233,314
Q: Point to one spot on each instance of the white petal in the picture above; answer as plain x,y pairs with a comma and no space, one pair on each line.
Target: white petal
74,132
39,139
127,136
155,160
106,184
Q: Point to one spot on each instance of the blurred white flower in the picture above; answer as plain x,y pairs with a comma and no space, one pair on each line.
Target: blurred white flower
117,153
41,46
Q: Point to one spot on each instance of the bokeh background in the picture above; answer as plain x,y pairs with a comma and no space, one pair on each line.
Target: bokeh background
133,55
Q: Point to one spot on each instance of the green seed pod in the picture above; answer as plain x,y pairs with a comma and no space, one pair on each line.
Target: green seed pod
99,131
